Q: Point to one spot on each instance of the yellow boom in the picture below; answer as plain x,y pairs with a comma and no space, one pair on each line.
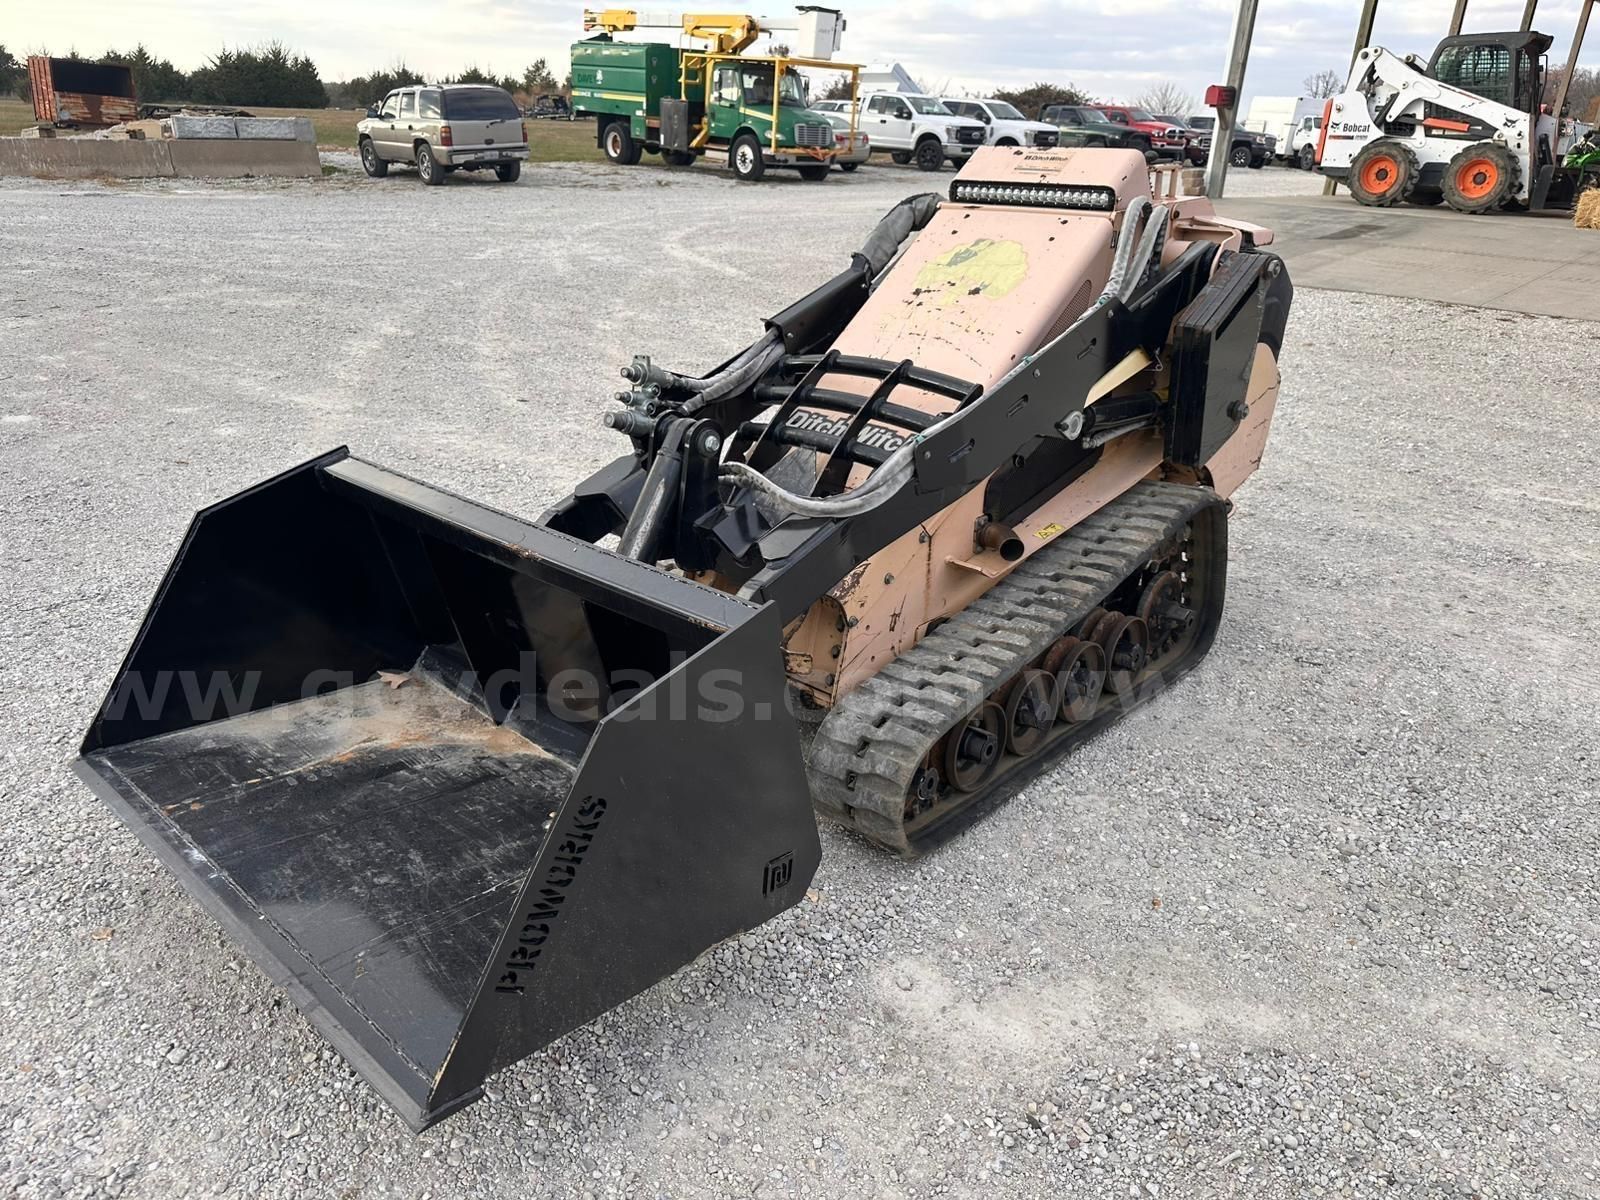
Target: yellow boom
729,33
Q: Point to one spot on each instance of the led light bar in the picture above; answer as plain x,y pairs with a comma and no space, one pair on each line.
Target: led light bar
1040,195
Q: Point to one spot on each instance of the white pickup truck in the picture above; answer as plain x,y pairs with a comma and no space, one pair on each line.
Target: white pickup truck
1003,124
920,129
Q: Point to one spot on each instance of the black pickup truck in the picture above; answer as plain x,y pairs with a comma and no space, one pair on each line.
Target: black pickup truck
1247,149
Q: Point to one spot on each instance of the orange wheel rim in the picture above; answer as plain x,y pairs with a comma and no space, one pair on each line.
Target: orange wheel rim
1380,174
1476,179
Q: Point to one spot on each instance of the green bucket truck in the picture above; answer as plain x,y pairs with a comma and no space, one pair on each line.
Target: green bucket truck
750,112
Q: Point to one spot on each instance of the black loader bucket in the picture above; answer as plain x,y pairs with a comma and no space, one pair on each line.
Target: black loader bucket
457,782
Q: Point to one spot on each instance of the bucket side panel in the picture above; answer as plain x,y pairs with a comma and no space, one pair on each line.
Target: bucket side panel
276,594
690,821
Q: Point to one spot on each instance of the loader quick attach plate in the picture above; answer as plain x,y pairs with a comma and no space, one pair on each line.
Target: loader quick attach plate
358,725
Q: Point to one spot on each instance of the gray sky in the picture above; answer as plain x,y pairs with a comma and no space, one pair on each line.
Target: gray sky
1112,48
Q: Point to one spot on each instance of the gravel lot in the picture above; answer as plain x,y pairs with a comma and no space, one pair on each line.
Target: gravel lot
1320,921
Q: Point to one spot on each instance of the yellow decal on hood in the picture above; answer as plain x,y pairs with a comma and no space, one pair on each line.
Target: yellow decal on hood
984,267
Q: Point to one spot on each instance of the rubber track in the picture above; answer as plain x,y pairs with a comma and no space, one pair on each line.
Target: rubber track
868,749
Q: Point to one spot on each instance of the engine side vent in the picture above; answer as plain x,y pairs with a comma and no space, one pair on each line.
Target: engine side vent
1073,310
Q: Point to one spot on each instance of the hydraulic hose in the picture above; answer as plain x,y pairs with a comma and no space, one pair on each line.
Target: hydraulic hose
751,364
1148,256
896,225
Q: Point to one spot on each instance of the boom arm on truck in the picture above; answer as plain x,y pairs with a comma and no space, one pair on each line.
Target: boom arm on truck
817,30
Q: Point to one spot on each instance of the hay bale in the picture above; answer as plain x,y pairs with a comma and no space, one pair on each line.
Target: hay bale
1587,213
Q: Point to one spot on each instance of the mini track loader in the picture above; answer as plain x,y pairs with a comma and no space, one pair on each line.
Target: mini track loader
461,782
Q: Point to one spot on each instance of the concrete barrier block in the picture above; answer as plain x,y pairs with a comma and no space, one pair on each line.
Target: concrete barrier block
279,129
207,128
85,158
218,159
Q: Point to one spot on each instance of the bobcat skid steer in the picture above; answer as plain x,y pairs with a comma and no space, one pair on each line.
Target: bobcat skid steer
460,782
1465,128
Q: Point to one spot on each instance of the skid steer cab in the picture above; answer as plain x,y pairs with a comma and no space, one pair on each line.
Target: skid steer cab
1464,128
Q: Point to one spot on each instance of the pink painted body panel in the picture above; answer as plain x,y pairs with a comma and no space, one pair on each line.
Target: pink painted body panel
979,289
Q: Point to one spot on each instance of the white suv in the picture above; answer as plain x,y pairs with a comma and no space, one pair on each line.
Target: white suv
920,129
1005,125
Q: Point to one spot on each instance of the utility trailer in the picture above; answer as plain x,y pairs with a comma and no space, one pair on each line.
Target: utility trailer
81,95
749,112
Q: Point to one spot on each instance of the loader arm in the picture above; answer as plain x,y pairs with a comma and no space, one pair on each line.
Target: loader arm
1399,90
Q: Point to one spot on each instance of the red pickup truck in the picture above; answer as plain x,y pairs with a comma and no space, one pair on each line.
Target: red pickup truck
1168,141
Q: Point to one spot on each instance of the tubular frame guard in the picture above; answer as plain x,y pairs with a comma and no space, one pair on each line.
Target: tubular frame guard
443,874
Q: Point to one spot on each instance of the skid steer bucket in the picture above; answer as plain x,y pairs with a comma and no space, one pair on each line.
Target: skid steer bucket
457,782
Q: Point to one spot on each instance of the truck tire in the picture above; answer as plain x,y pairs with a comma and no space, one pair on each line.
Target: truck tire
1480,178
1142,145
744,156
1005,141
677,158
370,162
1308,157
509,172
900,157
1383,174
617,142
930,154
433,174
1239,156
848,167
814,174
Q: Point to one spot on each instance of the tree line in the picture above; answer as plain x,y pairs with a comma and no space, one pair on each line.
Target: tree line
268,76
273,76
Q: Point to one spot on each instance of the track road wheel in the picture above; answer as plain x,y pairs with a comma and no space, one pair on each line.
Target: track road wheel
370,162
1480,178
745,158
1383,174
619,146
1080,671
1126,641
930,154
972,751
1030,711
